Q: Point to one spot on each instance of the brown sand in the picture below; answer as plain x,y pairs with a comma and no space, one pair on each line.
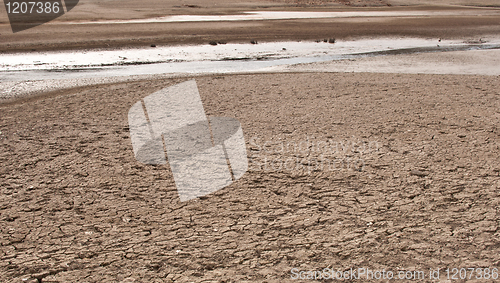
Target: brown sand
77,207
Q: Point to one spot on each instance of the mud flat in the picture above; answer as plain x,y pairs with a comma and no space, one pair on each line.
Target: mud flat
109,24
77,206
383,162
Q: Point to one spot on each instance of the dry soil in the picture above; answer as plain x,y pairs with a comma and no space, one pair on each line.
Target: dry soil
394,172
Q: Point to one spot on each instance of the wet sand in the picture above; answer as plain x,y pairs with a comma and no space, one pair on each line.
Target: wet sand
478,62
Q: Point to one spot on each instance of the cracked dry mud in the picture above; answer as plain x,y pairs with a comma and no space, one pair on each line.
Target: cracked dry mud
77,207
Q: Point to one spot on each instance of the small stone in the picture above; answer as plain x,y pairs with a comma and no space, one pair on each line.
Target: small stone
153,45
418,173
213,43
253,41
9,219
331,40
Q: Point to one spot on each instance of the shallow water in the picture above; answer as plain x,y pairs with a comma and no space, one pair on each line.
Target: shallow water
282,15
470,59
206,59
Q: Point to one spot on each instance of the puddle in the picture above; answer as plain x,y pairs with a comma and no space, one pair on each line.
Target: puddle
282,15
201,59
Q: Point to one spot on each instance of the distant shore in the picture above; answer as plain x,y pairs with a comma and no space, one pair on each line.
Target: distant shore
58,35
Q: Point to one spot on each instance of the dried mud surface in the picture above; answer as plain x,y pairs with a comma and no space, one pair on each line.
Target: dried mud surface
75,206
